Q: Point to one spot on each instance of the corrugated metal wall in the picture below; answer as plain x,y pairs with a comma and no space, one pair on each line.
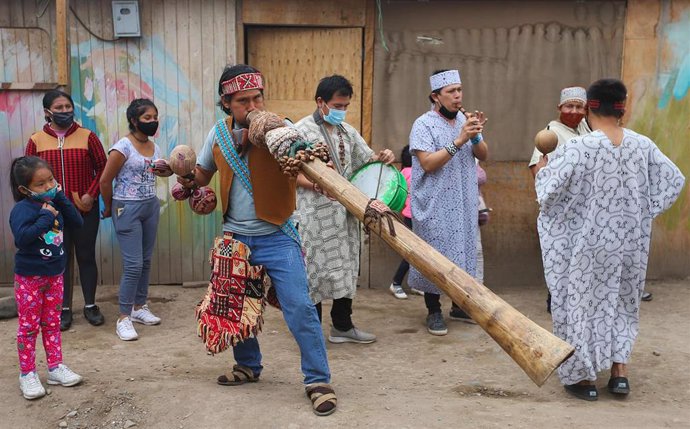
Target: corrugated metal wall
514,57
177,61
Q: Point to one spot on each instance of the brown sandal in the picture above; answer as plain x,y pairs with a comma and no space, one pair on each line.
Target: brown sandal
322,397
239,375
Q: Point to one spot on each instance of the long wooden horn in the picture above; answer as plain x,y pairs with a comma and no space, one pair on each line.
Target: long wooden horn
533,348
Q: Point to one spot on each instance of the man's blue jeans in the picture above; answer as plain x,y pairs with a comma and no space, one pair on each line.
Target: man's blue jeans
282,258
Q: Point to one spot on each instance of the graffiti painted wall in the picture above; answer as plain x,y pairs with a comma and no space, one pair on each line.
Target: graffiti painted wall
657,72
184,46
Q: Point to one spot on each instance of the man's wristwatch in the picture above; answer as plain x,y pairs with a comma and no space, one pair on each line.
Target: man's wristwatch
452,149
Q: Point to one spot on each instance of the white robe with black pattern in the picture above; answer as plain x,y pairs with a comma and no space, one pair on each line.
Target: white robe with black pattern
330,234
597,206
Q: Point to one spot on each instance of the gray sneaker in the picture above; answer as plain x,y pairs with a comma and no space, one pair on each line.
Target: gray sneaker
354,335
435,324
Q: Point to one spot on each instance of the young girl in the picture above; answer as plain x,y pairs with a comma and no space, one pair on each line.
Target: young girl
135,210
37,222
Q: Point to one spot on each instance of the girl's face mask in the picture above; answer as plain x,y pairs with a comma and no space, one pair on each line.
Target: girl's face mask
148,128
42,197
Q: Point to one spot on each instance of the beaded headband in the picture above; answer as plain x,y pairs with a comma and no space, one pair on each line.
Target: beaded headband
243,82
595,104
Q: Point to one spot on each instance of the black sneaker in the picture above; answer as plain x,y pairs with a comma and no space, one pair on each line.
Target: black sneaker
65,319
435,324
619,386
587,393
647,296
94,315
456,313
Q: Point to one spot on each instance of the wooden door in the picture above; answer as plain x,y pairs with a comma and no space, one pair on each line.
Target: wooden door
294,59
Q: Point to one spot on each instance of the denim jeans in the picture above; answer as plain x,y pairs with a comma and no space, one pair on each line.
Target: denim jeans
282,258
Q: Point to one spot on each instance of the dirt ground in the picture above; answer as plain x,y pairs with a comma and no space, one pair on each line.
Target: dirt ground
407,379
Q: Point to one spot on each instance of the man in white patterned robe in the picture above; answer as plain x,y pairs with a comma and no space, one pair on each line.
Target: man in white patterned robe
329,233
598,195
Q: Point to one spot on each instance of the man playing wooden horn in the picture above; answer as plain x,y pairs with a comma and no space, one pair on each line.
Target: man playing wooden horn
330,233
257,200
445,197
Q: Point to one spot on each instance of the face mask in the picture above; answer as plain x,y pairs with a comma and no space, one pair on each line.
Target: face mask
335,116
571,120
447,113
43,197
62,119
148,128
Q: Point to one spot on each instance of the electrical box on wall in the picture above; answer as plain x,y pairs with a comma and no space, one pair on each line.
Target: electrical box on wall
126,19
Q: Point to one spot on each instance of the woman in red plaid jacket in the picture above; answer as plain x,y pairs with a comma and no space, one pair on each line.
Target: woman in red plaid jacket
78,159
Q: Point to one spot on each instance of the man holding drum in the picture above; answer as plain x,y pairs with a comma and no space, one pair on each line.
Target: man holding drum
444,203
331,234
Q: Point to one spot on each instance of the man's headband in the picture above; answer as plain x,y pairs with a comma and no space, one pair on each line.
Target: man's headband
243,82
596,104
439,80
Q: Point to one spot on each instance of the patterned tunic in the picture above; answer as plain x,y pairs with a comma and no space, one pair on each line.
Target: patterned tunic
597,205
330,234
444,202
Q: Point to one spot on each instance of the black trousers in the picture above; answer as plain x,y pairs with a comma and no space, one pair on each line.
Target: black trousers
404,265
341,314
81,242
433,303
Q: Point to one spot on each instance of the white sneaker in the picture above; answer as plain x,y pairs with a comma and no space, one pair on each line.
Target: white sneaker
397,291
31,386
144,316
416,291
63,376
125,330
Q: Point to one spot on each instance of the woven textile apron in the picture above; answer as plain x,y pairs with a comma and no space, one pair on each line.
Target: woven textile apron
233,307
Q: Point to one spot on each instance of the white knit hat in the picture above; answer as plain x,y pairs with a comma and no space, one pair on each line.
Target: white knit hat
448,77
573,93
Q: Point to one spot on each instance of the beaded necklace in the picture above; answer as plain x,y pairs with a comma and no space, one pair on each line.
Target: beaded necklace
341,147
